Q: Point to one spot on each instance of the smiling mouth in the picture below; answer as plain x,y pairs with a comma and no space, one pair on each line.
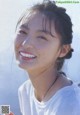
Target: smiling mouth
27,56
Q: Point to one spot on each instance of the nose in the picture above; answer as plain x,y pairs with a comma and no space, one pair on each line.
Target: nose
27,43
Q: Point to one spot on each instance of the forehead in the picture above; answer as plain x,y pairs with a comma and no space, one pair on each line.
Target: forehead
38,19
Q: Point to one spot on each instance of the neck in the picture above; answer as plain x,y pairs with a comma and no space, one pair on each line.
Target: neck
43,82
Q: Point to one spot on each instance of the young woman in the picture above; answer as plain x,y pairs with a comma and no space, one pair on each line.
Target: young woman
42,43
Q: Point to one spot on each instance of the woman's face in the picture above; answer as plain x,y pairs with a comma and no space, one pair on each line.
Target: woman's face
36,49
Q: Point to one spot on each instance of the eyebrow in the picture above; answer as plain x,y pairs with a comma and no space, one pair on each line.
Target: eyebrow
25,26
46,32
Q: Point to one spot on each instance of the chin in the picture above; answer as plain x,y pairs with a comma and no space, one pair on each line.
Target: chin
27,67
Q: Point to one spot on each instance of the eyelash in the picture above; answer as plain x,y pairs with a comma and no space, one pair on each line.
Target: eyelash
22,32
44,38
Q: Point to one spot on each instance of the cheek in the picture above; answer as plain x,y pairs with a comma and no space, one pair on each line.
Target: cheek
42,46
49,52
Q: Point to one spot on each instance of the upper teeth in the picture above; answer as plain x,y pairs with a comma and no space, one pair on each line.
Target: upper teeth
27,55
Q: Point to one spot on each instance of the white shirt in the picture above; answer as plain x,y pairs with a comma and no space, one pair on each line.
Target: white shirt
65,102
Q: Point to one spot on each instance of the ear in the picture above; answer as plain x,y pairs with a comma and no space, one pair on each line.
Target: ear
64,50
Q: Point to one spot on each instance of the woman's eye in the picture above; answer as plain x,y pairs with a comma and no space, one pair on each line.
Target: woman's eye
22,32
42,37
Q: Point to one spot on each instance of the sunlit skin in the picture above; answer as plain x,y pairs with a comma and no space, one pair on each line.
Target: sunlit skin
46,47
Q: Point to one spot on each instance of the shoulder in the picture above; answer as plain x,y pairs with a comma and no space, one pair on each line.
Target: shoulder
25,87
24,94
71,93
70,101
